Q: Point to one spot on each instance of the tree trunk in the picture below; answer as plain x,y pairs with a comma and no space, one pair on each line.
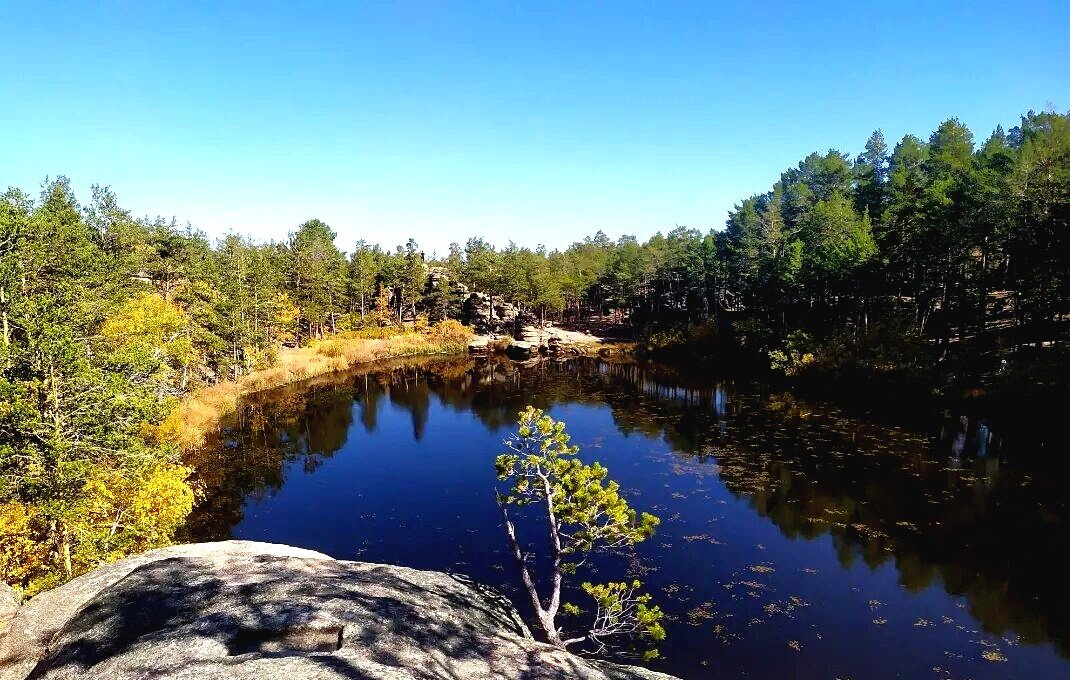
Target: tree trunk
544,616
555,544
7,330
63,546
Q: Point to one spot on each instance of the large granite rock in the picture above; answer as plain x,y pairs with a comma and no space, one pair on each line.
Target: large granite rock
479,345
9,604
489,314
520,350
239,609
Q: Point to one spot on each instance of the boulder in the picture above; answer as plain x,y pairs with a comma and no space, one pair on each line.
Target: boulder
505,312
488,314
239,609
478,312
520,350
530,334
9,605
479,345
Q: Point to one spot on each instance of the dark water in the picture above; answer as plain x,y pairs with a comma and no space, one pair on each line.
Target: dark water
795,541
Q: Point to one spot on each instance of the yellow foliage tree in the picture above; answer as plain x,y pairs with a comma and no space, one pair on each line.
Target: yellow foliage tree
148,330
383,313
287,314
127,512
22,552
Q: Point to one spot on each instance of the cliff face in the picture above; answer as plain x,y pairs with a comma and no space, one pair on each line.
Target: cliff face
240,609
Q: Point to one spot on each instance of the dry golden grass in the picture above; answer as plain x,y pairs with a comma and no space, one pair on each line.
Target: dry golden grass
201,413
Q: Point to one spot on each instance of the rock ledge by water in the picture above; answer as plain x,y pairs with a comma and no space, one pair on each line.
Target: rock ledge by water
240,609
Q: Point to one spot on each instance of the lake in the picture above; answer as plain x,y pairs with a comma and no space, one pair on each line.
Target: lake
797,539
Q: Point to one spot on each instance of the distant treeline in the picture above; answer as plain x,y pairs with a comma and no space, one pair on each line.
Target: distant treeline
962,247
935,249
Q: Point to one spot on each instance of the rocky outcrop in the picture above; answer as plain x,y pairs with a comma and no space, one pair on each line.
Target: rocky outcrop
488,314
9,604
547,339
239,609
438,277
479,345
520,350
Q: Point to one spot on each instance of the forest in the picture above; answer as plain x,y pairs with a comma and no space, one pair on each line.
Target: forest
938,252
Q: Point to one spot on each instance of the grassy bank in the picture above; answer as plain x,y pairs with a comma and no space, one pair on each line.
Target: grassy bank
202,412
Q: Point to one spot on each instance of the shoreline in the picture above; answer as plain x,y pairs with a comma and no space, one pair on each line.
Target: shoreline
202,412
534,342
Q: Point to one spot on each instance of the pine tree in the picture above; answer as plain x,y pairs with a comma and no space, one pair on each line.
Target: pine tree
583,512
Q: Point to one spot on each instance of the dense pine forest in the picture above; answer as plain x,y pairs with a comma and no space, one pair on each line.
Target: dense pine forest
948,253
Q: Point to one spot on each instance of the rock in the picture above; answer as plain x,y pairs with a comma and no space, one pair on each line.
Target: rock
488,314
479,345
505,312
520,350
240,609
530,334
9,604
477,312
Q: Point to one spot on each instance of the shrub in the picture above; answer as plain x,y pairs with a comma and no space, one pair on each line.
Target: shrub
330,348
449,331
377,332
129,511
884,349
796,354
498,345
22,550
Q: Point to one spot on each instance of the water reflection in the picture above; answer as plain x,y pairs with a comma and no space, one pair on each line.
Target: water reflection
967,523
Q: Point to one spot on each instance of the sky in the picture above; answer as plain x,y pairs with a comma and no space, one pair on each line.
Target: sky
537,122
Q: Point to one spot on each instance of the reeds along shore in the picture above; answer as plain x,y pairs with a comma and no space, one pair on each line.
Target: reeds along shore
201,413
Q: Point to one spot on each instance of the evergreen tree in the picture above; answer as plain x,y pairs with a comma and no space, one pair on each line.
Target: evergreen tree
316,277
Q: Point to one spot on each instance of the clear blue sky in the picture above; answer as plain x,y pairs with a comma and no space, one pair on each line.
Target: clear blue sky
536,121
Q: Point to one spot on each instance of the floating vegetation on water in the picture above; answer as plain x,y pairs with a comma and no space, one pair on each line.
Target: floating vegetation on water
878,496
721,632
753,584
991,651
701,613
640,568
993,655
680,593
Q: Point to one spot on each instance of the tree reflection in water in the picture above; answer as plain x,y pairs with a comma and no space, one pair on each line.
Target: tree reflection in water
982,528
